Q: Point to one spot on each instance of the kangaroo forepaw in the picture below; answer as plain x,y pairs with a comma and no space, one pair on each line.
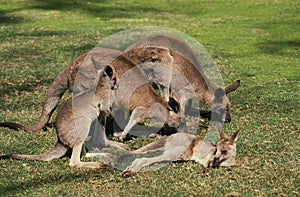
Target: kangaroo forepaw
121,138
206,171
127,173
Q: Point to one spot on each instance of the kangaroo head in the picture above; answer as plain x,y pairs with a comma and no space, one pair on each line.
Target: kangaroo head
151,54
221,104
226,150
105,75
109,74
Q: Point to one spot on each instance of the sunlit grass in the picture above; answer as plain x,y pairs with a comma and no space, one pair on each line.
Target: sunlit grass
257,42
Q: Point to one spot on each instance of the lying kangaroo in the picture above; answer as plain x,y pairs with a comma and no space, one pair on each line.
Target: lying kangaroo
78,76
74,119
185,147
188,79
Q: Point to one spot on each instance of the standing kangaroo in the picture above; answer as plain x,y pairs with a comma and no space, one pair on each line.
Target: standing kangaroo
78,76
74,119
188,79
185,147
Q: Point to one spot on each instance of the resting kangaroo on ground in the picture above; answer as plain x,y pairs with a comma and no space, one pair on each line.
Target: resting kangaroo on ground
185,147
74,119
73,77
187,81
137,95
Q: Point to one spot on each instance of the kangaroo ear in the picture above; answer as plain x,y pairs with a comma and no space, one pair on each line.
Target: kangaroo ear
173,105
233,86
174,96
234,137
108,71
96,64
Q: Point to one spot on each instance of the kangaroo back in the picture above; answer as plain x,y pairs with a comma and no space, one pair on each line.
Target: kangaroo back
73,77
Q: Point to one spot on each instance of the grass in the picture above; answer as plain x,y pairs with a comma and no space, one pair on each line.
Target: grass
257,42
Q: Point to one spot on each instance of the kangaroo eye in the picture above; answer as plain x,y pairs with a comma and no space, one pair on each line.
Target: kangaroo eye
142,59
153,60
223,151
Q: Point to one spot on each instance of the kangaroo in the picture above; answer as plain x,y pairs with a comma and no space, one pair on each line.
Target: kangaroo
186,147
188,79
74,119
154,60
137,95
73,77
140,102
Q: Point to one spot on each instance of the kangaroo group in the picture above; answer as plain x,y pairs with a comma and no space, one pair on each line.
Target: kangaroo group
104,81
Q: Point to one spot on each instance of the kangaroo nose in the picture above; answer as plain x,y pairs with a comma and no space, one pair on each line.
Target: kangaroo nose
216,162
228,118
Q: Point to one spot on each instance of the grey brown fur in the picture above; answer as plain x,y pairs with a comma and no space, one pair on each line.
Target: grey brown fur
137,95
74,119
185,147
138,103
73,77
188,79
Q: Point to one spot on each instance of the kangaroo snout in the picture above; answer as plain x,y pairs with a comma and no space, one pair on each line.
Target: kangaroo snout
228,118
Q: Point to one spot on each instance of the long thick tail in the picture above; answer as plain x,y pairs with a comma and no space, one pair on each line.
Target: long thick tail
62,82
56,152
54,94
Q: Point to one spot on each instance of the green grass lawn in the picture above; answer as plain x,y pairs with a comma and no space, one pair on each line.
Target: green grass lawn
255,41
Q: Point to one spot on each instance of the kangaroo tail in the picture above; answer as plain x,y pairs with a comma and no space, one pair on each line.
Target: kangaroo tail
56,152
54,94
63,81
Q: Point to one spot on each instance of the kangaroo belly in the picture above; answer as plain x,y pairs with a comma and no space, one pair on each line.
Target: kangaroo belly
74,119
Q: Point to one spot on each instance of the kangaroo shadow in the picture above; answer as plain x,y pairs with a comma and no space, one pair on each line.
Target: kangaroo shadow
279,47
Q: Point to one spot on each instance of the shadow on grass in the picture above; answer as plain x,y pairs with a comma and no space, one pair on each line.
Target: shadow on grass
6,18
280,47
97,9
29,86
50,180
103,9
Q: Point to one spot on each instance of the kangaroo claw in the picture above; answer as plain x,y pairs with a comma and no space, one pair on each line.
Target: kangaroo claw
206,171
121,138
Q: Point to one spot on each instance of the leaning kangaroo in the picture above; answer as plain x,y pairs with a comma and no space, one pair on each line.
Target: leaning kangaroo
137,95
139,103
74,119
188,79
185,147
77,76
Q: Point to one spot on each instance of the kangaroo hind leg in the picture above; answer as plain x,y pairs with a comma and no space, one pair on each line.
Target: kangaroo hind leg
139,163
76,162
